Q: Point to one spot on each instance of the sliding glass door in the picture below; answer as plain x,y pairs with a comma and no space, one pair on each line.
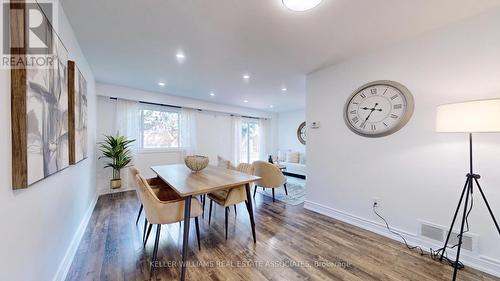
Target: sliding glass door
250,146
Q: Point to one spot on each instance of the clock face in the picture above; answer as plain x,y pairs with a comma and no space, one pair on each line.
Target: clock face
379,109
301,133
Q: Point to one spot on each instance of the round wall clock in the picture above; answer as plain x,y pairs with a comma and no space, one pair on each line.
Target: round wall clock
379,109
301,133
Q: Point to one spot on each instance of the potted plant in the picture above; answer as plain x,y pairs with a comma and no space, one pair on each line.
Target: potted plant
117,150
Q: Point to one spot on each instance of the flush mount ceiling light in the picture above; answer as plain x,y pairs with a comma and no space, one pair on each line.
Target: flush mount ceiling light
283,89
246,76
245,101
180,57
212,94
301,5
161,84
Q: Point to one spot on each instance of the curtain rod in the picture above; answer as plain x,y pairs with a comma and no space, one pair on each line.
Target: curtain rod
199,109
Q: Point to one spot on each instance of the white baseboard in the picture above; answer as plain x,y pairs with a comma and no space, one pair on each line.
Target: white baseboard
482,263
118,190
66,262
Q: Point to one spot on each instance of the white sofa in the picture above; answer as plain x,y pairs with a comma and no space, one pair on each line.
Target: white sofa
295,168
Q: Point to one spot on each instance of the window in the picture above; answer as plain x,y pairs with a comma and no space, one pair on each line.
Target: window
250,147
159,128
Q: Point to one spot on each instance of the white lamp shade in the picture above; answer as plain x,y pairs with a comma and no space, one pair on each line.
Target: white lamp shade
482,116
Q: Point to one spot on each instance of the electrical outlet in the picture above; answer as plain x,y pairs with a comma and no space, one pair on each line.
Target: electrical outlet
376,202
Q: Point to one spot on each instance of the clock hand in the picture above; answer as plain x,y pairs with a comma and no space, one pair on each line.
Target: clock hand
372,110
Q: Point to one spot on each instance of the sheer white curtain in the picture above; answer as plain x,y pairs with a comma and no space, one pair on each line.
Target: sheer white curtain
235,139
188,131
264,138
128,124
128,121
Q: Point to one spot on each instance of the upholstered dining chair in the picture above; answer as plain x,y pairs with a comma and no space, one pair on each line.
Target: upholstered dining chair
164,207
271,177
155,184
231,197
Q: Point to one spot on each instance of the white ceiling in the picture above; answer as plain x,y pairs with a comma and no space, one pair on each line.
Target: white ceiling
134,43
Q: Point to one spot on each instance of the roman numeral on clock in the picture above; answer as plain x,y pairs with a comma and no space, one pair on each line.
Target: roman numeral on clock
394,116
352,112
373,127
373,91
362,95
363,125
398,106
394,97
355,120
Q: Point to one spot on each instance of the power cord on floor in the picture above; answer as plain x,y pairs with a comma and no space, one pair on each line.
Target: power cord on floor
434,254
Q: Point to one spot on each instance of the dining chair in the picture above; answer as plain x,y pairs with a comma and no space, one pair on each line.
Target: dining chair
271,177
231,197
164,207
155,184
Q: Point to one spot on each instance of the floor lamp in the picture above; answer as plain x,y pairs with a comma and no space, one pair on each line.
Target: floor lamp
481,116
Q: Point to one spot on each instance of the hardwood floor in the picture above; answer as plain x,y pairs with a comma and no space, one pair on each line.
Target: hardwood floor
292,244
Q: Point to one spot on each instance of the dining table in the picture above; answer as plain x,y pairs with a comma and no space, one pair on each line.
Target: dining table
187,184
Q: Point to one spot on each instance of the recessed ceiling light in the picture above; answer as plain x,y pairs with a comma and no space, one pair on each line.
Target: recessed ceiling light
245,101
301,5
284,89
271,106
180,56
246,76
161,84
212,94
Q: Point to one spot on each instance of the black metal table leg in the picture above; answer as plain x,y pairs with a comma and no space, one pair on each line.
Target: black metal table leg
187,217
250,211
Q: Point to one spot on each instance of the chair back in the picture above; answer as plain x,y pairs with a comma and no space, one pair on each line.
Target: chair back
133,173
224,163
238,194
246,168
148,198
271,175
163,212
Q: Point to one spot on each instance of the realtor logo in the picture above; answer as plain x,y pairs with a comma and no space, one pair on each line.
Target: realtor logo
27,39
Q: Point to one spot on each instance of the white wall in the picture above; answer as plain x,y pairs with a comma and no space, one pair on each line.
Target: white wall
39,223
213,130
288,123
417,173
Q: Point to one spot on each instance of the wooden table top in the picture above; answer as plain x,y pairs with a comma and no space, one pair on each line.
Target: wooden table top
210,179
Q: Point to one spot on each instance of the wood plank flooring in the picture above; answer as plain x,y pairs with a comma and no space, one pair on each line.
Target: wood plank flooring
292,244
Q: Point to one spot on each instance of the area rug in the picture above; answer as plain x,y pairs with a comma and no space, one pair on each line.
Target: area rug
296,194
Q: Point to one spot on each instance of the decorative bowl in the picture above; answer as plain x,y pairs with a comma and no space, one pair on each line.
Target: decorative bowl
196,162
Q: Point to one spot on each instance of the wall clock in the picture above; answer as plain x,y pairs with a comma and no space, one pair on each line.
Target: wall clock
301,133
379,109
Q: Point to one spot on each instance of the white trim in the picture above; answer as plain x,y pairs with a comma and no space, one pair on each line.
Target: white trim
109,190
66,262
479,262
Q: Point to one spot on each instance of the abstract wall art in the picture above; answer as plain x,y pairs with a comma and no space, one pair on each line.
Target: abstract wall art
39,107
77,92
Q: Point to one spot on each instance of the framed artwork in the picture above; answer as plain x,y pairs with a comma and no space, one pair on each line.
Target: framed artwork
77,103
39,106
